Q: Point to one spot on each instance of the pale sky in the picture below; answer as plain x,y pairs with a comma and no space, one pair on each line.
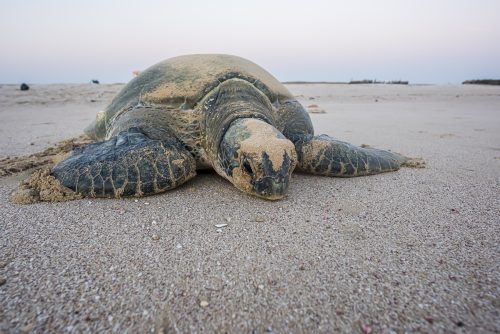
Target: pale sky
423,41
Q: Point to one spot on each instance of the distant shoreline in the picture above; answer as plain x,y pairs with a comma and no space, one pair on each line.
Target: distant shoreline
313,82
352,82
489,82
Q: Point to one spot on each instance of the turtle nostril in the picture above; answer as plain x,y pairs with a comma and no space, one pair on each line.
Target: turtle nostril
247,167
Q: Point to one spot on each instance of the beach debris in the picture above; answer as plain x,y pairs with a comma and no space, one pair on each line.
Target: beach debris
220,225
3,264
228,219
203,303
260,219
302,267
28,328
136,73
339,312
366,329
155,237
95,81
365,146
219,230
261,286
460,323
429,319
314,109
3,280
414,163
24,86
179,246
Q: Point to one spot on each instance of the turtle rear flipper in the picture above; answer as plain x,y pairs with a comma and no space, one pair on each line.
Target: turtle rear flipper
129,164
324,155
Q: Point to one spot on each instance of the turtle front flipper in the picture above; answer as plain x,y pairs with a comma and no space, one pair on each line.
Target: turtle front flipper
324,155
129,164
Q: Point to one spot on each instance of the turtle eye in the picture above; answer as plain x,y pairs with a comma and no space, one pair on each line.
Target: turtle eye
247,167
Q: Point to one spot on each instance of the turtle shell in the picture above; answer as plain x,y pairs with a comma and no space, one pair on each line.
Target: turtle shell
181,82
174,97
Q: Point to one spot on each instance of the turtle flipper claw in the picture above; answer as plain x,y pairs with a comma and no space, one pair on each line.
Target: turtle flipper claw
129,164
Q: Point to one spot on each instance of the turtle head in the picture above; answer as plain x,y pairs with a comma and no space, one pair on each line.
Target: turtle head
257,158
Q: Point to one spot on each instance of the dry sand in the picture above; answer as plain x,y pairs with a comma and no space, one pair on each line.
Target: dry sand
414,250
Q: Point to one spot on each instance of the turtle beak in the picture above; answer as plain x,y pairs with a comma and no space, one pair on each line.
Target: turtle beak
271,187
274,183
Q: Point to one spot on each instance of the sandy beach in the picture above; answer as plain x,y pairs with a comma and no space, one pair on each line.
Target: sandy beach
416,250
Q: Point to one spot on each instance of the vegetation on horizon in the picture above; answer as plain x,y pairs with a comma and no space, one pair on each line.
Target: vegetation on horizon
482,82
352,82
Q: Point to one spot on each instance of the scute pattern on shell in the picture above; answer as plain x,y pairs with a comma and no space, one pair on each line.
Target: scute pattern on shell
181,82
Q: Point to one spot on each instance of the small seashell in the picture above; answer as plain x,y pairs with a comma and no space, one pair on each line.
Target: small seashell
259,219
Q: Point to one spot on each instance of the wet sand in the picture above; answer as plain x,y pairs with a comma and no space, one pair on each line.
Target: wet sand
414,250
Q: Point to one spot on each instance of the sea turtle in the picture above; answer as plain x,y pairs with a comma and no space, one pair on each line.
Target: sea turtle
208,111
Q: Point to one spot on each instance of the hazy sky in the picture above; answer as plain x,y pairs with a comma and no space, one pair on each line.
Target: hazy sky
424,41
